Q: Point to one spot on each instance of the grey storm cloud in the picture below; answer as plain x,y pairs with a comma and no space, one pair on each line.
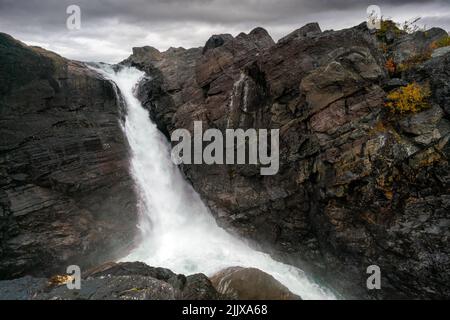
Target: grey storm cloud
110,28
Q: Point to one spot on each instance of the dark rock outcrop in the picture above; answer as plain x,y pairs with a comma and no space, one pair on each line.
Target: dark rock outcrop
357,185
65,193
407,46
196,286
22,288
115,281
310,29
250,284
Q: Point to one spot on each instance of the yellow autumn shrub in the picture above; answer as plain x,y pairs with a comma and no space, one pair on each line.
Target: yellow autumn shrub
411,98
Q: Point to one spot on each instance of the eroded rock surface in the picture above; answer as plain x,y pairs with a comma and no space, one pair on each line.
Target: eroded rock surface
357,185
65,193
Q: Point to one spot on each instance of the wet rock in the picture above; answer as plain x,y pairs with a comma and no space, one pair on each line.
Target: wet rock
199,287
114,288
192,287
250,284
129,268
114,281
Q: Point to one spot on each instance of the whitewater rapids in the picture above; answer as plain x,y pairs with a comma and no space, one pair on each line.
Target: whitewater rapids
178,231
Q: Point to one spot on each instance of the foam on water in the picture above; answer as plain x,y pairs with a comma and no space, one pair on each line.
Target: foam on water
178,231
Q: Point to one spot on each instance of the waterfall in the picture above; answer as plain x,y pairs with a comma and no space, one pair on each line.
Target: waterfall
178,230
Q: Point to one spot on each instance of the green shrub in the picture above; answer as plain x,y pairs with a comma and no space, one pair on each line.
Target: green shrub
387,26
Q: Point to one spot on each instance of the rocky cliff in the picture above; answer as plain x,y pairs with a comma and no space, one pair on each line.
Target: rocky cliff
358,185
65,193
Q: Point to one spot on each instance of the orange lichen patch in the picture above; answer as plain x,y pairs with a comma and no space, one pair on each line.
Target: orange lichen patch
59,280
379,127
411,98
388,194
385,184
391,66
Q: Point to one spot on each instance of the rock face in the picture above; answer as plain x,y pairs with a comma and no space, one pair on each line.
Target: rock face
357,185
250,284
65,193
115,281
408,46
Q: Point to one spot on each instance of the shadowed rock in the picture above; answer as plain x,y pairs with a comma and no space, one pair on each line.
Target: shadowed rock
66,196
114,281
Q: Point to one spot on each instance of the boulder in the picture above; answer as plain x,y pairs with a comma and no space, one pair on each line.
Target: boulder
113,288
250,284
307,30
192,287
216,41
114,281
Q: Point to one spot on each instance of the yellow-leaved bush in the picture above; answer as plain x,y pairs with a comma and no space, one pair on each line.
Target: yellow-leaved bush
411,98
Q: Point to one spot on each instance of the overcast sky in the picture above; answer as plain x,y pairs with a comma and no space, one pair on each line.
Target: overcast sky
110,28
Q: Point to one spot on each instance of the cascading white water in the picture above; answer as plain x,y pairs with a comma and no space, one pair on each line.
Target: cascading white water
179,232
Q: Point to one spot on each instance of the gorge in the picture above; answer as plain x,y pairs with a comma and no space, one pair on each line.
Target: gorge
83,162
178,231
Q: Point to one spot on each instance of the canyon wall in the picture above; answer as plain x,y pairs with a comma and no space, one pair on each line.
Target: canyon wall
358,185
66,196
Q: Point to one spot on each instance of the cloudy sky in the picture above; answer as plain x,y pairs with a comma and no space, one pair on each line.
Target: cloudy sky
110,28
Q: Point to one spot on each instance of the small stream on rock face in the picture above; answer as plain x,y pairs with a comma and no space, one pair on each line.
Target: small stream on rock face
178,231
